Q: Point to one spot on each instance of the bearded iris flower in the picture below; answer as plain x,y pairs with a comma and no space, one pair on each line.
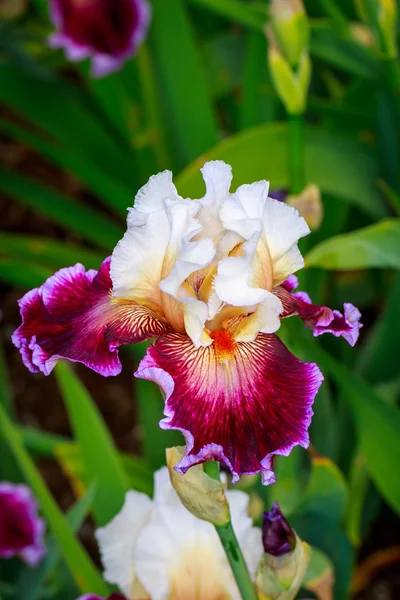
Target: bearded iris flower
108,31
157,549
21,530
210,279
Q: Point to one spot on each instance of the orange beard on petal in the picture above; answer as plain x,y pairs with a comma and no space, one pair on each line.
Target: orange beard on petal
197,576
224,345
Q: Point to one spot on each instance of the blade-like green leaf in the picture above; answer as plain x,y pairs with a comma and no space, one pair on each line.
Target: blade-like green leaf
375,246
182,81
47,252
80,565
378,424
42,443
236,11
31,580
101,459
326,490
23,274
90,224
261,153
108,189
42,101
319,567
289,485
378,358
342,52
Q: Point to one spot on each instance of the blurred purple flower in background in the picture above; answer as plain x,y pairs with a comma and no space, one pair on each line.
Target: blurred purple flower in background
21,530
115,596
277,535
108,31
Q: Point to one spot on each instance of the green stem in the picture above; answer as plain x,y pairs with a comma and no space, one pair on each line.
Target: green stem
231,546
296,157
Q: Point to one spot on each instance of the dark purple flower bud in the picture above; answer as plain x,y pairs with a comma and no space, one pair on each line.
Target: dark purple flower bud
21,530
278,194
277,535
108,31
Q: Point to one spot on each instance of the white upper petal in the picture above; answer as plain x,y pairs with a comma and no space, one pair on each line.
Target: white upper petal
282,228
250,210
190,259
118,539
235,285
186,257
138,259
152,196
233,282
243,211
217,176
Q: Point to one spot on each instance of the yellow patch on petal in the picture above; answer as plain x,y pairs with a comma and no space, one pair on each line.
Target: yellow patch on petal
224,345
197,576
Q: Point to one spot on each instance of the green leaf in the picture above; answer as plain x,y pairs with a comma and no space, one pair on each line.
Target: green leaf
44,444
90,224
378,358
108,189
31,580
375,246
326,490
69,455
319,567
327,536
378,424
23,274
342,52
80,565
100,457
261,153
47,252
42,101
324,432
182,81
241,13
289,485
154,439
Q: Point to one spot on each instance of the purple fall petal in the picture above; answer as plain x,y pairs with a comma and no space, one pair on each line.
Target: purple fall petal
21,530
109,31
239,404
72,315
114,596
320,319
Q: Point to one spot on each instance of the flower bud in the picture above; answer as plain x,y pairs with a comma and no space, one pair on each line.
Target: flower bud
281,571
309,205
381,16
362,34
277,535
291,84
290,26
202,496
